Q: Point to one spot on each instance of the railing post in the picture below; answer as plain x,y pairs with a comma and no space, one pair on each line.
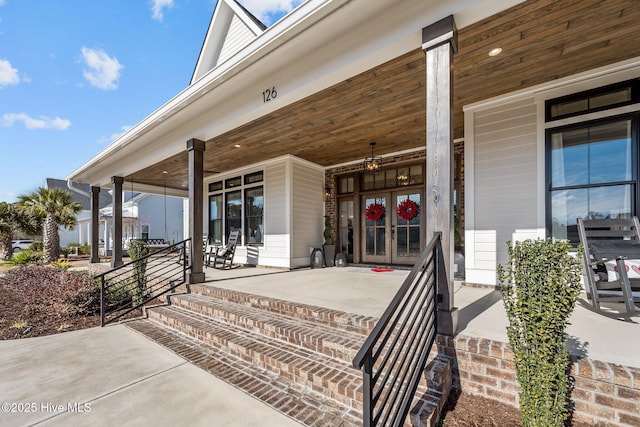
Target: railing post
367,407
102,300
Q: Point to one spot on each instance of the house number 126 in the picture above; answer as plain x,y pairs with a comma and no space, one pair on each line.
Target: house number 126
269,94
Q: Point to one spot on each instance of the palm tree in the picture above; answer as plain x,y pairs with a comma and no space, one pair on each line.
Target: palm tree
12,220
56,207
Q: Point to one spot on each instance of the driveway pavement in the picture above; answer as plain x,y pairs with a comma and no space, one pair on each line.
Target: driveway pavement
114,377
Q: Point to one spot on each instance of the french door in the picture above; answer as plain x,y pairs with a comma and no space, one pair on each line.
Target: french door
392,225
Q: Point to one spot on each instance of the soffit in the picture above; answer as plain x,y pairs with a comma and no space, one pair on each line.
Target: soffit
541,41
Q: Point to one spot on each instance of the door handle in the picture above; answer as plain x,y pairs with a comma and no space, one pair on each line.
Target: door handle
393,231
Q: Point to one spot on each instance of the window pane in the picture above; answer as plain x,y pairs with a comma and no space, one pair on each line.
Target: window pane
345,185
416,175
233,182
254,211
611,98
403,176
569,107
589,203
391,178
253,178
610,152
215,186
592,155
233,211
367,183
215,219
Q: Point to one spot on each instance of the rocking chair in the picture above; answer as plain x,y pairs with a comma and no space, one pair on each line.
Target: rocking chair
223,254
611,256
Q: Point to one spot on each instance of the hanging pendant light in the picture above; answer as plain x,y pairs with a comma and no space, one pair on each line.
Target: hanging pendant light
372,163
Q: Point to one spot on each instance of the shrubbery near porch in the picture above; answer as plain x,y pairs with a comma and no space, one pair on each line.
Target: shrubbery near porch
540,286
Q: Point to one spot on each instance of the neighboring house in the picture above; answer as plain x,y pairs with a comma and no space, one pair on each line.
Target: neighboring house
145,216
80,193
271,133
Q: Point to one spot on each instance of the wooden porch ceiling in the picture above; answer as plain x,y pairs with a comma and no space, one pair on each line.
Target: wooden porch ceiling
542,40
385,105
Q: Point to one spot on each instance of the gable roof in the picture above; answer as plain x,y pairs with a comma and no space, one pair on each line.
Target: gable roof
232,27
84,200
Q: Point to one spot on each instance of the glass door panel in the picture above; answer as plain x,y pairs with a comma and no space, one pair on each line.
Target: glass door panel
376,224
406,227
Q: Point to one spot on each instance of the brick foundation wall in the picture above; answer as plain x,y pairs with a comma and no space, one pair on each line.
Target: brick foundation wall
604,394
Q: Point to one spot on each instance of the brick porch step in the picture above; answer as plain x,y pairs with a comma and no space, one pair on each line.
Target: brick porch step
303,405
333,378
339,343
274,349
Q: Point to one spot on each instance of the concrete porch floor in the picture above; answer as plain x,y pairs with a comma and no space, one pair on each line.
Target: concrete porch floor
481,312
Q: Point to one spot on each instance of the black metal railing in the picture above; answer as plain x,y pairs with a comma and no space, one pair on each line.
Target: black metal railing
130,286
394,356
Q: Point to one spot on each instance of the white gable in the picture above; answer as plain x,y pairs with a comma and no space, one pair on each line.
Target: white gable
232,27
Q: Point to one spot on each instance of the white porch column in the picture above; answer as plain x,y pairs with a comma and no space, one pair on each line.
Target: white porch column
439,44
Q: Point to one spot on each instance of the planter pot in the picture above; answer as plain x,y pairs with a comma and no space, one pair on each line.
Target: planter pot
329,255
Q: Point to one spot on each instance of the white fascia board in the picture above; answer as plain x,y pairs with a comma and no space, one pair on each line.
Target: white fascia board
379,33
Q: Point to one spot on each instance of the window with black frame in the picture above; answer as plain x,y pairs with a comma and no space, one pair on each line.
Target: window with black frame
591,173
237,204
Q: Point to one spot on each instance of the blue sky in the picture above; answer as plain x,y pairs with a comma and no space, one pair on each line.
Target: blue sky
74,74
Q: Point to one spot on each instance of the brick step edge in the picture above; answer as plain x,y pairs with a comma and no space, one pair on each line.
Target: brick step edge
335,318
337,380
336,343
299,403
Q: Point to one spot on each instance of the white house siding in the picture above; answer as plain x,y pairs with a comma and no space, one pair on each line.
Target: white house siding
502,183
275,251
307,197
239,36
293,213
164,216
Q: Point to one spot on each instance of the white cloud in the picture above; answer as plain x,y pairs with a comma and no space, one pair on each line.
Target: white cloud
42,122
101,70
266,10
113,137
8,74
157,7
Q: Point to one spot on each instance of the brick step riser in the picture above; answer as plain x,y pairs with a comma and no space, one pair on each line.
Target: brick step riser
300,403
343,387
337,319
320,342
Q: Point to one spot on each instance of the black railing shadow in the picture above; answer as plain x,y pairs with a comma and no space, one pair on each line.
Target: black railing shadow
130,286
476,308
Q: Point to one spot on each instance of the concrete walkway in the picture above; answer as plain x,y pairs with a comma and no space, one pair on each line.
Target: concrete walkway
115,377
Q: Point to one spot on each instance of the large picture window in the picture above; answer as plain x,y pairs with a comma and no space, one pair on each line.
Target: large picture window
592,173
238,204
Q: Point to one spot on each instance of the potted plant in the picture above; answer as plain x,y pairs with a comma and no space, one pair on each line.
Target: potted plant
329,247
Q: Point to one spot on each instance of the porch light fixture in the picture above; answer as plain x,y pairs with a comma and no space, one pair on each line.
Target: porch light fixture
327,194
372,163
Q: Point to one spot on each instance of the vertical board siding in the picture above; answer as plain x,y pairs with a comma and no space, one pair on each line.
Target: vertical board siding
505,178
238,36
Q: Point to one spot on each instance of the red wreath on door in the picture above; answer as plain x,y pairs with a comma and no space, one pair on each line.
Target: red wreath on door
375,212
407,209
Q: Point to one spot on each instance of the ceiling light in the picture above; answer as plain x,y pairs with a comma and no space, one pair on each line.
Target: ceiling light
372,163
237,145
495,51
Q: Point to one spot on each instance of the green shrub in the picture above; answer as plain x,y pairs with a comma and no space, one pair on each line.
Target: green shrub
24,258
138,250
62,264
540,286
36,246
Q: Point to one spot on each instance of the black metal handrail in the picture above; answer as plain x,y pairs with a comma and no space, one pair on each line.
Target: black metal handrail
395,354
131,285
